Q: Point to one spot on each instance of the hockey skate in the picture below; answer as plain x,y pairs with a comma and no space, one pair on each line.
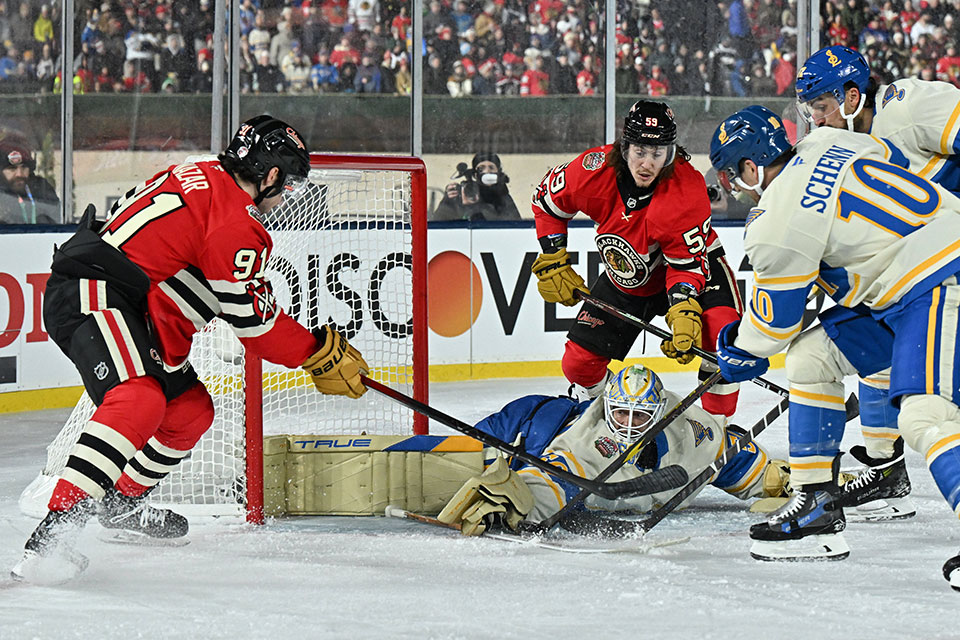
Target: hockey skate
130,520
808,527
49,557
881,490
951,571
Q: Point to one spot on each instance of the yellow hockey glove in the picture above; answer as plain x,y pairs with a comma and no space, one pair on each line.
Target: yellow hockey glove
556,278
685,323
336,367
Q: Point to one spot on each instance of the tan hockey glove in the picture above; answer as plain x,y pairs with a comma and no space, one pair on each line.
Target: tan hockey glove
498,495
776,487
556,278
336,366
683,318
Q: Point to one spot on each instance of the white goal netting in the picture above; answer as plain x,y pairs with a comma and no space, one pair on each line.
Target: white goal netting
342,256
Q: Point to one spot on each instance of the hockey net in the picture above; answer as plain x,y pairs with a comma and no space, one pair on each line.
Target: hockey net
350,253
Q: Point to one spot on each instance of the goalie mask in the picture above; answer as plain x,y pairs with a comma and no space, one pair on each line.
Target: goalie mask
262,143
633,401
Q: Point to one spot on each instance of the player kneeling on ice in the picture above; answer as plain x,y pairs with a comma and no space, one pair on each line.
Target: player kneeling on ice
123,302
584,438
833,205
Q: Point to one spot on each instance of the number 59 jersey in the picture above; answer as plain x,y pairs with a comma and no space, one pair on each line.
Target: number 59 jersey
843,214
202,242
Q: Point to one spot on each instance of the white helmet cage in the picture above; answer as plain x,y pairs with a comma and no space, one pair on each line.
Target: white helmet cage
633,401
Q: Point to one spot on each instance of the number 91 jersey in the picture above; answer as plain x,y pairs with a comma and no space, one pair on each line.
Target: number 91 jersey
648,239
843,214
202,242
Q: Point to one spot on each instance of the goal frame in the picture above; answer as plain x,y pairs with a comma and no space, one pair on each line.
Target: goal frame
253,365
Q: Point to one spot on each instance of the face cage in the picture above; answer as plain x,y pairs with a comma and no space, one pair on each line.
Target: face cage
671,150
628,433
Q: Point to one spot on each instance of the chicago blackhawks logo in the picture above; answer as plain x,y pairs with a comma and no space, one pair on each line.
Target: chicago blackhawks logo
264,302
624,265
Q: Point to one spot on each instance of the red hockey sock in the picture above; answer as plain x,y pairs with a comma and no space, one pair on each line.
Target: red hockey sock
128,487
65,496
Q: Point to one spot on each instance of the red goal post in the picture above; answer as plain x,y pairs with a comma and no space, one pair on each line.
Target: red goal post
415,169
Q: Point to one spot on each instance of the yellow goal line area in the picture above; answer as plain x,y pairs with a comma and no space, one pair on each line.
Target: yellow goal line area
62,397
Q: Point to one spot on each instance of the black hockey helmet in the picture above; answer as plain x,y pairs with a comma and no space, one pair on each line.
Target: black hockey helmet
262,143
649,123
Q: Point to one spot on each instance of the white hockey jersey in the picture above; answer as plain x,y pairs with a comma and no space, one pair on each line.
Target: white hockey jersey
693,441
919,121
844,214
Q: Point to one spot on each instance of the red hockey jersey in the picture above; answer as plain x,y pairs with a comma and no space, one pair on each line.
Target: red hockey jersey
648,240
201,241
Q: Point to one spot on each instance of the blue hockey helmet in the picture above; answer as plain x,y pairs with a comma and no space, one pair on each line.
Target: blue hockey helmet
753,133
633,401
824,76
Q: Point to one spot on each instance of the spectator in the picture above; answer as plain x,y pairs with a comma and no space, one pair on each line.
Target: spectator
348,74
403,78
25,198
509,83
462,18
46,67
296,68
367,79
948,66
43,27
363,14
657,84
281,43
435,20
175,59
10,64
324,75
761,85
563,78
458,84
481,195
402,22
485,82
21,27
434,79
103,82
344,52
267,77
388,74
587,78
923,26
534,82
259,36
784,74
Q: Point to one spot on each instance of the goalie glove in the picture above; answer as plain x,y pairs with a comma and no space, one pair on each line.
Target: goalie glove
336,366
498,496
683,318
556,279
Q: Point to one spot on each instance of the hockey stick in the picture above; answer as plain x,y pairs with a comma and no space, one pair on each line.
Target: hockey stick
852,405
647,437
599,525
673,475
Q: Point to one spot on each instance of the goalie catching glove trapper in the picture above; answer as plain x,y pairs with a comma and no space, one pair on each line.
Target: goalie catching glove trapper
336,366
496,497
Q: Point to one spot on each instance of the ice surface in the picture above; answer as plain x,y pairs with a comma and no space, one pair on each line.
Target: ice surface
387,578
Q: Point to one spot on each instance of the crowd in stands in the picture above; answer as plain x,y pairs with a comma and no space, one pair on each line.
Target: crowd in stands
471,47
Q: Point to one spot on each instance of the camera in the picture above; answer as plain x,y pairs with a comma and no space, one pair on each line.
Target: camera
469,188
714,193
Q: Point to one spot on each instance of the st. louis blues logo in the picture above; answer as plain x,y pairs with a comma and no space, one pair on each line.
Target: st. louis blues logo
264,302
700,432
891,93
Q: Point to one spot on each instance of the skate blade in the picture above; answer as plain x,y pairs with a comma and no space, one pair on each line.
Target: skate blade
57,568
830,546
121,536
881,510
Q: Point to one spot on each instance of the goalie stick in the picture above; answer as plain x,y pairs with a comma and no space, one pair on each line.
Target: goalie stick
635,546
630,451
852,405
674,476
599,525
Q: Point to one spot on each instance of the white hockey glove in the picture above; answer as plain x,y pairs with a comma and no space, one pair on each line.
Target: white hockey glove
498,495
